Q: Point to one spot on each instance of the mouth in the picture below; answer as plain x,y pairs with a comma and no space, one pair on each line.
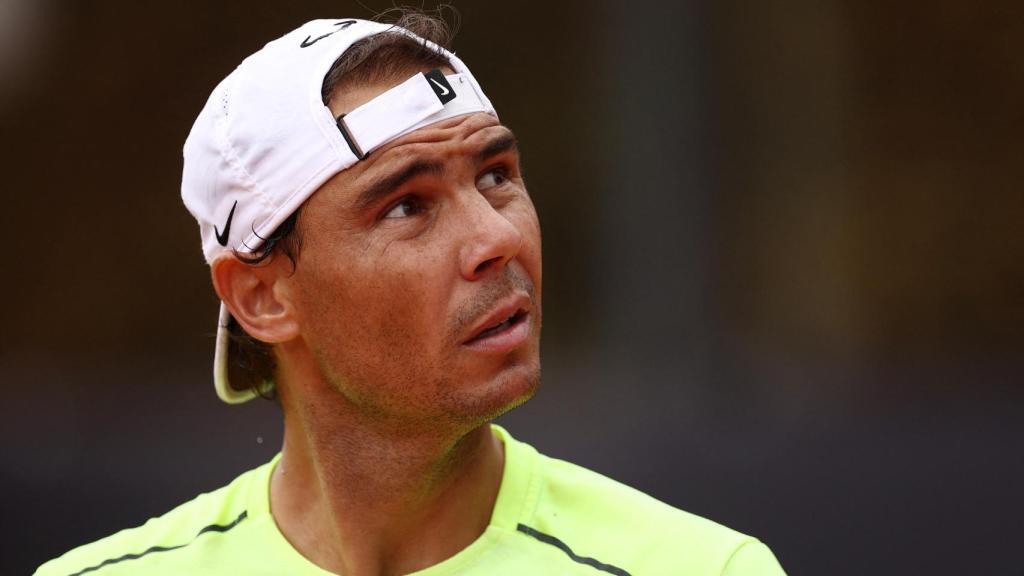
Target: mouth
505,328
506,324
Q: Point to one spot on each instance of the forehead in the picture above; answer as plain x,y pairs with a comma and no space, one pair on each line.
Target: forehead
452,138
441,148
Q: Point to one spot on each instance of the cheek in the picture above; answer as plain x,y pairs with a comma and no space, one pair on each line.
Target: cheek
369,317
528,224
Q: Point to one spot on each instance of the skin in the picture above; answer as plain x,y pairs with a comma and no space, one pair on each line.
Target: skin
389,465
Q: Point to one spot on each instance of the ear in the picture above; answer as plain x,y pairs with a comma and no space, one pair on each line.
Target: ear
257,296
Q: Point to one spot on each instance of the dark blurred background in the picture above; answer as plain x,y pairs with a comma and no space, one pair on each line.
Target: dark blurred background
784,264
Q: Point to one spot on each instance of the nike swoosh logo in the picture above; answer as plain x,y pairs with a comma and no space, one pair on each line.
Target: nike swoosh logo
309,41
444,91
222,239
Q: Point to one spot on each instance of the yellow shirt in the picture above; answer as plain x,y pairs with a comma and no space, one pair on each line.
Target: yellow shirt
550,517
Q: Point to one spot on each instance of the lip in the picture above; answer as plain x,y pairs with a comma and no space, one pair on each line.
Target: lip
509,338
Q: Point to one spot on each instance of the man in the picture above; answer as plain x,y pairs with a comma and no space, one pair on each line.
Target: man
378,260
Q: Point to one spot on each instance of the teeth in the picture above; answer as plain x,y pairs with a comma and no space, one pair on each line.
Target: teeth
497,327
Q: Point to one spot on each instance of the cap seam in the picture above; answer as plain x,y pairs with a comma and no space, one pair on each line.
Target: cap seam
230,155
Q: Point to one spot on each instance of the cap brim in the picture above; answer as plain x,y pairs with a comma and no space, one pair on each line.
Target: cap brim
221,363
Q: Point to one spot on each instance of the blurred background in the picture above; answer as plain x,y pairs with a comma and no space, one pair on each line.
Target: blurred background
784,264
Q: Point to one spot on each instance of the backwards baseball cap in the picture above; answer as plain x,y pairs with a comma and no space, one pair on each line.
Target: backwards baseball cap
265,142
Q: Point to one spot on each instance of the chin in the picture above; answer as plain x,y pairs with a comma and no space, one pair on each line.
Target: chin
502,392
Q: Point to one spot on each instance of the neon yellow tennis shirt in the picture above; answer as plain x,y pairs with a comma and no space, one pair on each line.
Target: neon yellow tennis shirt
550,517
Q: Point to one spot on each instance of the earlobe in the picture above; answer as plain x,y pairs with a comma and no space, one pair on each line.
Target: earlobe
256,298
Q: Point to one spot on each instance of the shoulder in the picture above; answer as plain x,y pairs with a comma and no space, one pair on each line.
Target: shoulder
599,517
592,497
163,542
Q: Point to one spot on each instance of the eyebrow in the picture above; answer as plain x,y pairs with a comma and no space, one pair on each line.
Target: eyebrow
383,186
504,143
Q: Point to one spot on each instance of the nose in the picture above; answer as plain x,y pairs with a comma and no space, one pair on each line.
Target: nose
490,241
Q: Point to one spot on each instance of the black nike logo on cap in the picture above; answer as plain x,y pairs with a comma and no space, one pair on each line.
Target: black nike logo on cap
439,84
222,239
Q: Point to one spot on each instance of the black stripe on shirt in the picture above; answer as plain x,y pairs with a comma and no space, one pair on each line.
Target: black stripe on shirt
211,528
548,539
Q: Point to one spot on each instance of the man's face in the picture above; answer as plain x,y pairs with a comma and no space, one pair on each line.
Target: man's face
418,285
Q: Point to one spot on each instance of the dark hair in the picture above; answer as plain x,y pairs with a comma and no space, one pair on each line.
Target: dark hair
389,55
379,58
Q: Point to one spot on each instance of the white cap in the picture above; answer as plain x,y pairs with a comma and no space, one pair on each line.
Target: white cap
265,141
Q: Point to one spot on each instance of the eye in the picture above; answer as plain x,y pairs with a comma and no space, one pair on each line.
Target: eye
492,178
406,207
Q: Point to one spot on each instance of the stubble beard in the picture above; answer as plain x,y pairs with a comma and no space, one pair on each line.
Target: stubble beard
407,402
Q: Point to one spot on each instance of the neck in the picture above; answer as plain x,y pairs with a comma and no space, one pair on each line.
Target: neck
357,498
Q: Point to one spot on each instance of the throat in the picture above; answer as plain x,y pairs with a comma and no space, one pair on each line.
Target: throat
375,509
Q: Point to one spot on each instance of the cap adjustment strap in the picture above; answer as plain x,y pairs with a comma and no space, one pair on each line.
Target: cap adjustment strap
421,100
349,139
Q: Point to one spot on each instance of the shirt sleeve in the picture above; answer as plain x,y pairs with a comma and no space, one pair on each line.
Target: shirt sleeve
753,559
